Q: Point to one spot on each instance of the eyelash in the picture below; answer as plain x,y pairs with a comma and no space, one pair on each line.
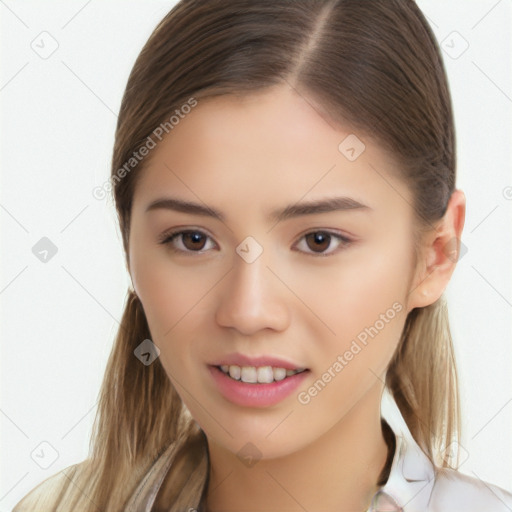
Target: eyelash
168,238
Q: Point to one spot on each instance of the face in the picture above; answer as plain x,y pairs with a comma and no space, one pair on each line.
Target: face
323,288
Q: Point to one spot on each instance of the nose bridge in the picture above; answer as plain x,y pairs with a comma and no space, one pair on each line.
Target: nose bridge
248,279
251,299
250,271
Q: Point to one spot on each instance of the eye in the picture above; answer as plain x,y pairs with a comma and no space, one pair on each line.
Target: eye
190,240
319,241
195,241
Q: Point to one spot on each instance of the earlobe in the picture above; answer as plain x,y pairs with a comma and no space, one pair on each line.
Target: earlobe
440,255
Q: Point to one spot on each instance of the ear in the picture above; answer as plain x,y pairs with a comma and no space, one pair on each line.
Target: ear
439,256
130,274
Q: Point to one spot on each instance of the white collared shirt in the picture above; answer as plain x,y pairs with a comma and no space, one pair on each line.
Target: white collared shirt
414,485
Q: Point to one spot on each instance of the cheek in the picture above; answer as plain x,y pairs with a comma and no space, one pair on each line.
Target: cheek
171,294
361,304
171,304
352,293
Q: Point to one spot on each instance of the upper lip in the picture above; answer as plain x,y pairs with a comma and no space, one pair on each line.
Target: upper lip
242,360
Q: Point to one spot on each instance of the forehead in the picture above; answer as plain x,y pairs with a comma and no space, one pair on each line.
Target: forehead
270,147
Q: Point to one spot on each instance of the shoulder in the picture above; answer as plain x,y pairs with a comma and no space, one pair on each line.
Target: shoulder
453,490
47,494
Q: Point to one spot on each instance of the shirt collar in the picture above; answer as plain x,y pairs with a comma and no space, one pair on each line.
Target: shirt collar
411,479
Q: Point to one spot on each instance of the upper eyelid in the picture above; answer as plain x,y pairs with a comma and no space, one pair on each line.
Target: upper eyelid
179,231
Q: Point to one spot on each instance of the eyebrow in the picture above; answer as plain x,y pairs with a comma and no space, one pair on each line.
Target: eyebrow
294,210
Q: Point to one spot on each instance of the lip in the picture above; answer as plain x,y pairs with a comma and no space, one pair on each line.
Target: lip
242,360
255,395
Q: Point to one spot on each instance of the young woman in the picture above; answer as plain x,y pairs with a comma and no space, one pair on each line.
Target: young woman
284,177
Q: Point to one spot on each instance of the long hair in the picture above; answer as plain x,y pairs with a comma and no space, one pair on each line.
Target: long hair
372,64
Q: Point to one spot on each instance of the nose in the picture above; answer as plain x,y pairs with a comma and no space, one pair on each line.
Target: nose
252,298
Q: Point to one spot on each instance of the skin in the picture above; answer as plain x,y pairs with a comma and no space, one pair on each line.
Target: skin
245,157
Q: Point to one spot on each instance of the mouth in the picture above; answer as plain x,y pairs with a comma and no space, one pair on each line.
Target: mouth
258,374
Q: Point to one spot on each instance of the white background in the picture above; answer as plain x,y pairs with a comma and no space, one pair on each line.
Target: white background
58,319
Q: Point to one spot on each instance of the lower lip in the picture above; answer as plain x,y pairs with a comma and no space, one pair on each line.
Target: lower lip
255,395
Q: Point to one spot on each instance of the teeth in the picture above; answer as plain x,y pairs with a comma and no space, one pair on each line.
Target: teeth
261,374
279,373
249,374
234,372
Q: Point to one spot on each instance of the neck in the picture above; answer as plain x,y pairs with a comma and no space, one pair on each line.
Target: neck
337,472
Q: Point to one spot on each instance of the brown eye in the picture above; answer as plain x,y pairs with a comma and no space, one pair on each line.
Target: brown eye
323,243
318,241
193,240
187,241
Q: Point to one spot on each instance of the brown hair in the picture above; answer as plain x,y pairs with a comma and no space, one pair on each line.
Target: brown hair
373,65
